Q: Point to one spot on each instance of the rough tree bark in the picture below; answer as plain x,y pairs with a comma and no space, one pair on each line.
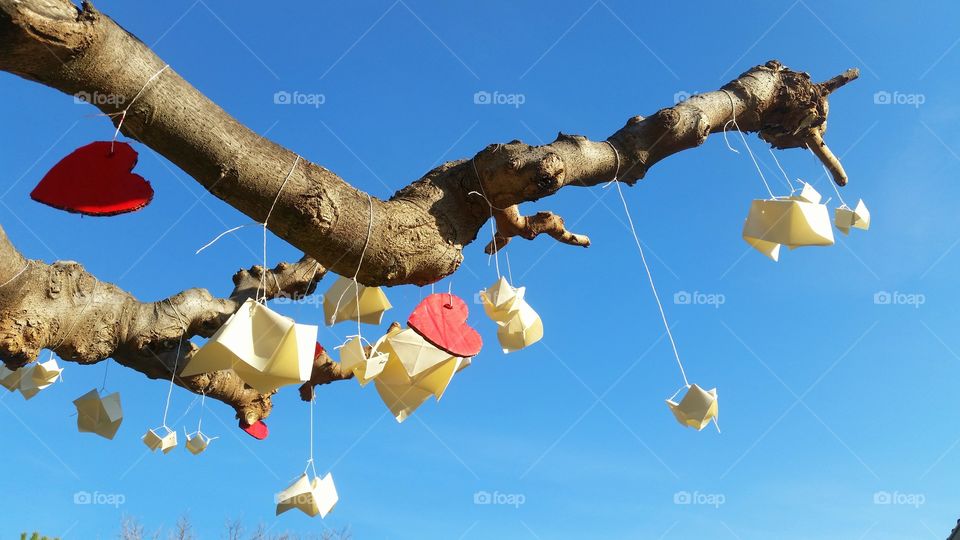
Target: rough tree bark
418,234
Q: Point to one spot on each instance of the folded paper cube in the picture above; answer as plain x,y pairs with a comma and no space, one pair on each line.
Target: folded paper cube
697,408
416,353
264,348
340,303
39,376
403,393
10,379
807,194
354,359
523,329
501,300
845,218
312,497
790,222
161,438
197,442
100,415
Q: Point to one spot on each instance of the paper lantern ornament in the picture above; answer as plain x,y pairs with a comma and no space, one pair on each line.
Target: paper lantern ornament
99,415
441,319
95,180
697,408
415,371
340,303
161,438
792,221
312,497
197,442
845,218
264,348
10,379
38,377
519,325
501,301
354,359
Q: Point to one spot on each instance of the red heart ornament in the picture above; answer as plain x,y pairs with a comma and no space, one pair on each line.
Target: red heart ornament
257,430
95,180
441,319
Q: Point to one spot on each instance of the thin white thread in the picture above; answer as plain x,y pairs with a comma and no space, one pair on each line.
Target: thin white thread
176,364
263,275
106,367
777,161
646,267
15,276
829,179
509,270
221,235
493,226
356,286
733,120
203,399
310,462
123,113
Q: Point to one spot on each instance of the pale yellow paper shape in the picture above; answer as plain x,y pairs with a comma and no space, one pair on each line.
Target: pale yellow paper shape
197,442
373,302
318,496
10,379
697,408
501,300
845,218
790,222
415,353
770,249
100,415
161,438
807,194
38,377
264,348
354,359
522,330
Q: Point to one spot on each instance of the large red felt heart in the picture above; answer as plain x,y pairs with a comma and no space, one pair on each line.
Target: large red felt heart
257,430
95,181
442,320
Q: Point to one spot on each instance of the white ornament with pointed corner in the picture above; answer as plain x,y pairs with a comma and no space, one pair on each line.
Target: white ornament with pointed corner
845,218
697,408
340,303
501,300
807,194
312,497
161,438
793,221
10,378
38,377
416,353
523,329
354,359
98,414
264,348
197,441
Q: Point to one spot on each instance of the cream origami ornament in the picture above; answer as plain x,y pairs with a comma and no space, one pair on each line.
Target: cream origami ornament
197,442
161,438
523,329
98,414
697,408
501,300
38,377
845,218
354,359
312,497
264,348
793,221
10,379
340,303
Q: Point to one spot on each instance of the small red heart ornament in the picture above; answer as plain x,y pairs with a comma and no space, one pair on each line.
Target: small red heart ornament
441,319
257,430
95,180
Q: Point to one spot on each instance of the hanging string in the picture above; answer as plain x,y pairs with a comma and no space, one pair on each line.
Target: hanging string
509,270
493,224
646,267
310,463
263,275
733,121
221,235
777,161
123,113
176,364
203,400
356,286
15,276
106,368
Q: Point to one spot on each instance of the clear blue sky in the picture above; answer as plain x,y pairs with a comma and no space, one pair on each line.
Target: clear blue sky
829,401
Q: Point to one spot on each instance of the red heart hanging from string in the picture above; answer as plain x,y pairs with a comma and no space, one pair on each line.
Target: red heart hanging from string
95,180
441,319
257,430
